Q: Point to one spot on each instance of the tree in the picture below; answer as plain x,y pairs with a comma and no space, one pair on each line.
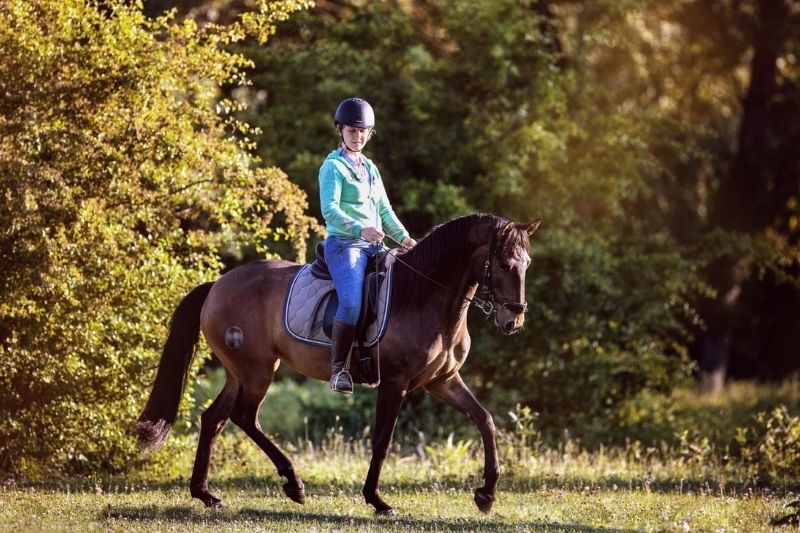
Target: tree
745,201
123,177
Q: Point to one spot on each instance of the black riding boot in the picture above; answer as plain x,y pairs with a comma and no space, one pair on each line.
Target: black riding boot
341,344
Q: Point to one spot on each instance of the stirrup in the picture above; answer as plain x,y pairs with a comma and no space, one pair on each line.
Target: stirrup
342,382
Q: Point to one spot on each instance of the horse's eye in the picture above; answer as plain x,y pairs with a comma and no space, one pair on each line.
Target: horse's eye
505,266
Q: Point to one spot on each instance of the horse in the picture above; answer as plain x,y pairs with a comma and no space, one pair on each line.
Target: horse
424,345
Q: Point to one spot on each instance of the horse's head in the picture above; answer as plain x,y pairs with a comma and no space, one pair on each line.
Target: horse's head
503,273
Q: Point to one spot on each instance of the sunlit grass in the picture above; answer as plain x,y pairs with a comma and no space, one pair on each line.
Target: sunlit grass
666,487
558,490
256,505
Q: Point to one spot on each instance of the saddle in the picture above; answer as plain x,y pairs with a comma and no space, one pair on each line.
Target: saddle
311,303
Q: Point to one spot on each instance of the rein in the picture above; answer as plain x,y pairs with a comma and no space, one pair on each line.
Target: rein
484,305
487,306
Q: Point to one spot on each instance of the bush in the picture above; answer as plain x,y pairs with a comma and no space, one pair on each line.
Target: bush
772,447
123,177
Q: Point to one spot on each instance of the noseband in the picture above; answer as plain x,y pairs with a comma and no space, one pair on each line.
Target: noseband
488,305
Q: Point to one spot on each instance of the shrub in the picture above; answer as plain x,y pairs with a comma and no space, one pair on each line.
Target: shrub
122,178
772,447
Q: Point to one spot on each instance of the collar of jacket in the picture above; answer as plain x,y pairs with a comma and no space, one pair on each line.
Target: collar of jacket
369,165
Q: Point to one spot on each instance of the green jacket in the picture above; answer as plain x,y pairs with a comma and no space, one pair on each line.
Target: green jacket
350,202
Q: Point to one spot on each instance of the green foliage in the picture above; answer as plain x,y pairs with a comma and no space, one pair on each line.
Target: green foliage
601,329
752,426
126,173
772,446
448,455
522,442
654,418
695,450
123,178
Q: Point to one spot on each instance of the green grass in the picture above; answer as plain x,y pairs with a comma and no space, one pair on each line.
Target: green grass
560,490
668,486
254,505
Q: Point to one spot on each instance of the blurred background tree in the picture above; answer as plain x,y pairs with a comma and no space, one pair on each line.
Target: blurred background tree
655,139
124,179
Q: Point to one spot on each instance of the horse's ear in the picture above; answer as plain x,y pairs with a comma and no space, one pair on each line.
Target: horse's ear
531,228
506,231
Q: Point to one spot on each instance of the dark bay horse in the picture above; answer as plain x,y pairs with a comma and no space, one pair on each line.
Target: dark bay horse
424,346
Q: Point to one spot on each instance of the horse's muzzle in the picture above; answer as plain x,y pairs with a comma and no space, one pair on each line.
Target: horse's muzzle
508,327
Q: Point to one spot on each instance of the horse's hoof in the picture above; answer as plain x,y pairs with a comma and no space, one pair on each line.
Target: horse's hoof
208,499
295,493
388,511
483,500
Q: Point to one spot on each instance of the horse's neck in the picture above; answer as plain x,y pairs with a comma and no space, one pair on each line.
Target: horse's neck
456,316
447,305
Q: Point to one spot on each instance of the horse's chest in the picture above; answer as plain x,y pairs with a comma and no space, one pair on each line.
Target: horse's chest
448,359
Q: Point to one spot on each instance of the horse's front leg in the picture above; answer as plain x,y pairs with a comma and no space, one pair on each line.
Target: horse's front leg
455,393
390,400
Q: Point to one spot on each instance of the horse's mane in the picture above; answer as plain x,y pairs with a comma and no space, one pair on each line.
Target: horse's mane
442,248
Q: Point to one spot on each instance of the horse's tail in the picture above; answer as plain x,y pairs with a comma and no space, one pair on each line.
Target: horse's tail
159,414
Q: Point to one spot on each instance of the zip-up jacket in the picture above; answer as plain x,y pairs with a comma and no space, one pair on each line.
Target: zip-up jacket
351,201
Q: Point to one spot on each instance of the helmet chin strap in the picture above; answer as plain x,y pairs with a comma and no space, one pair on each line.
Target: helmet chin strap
341,136
348,147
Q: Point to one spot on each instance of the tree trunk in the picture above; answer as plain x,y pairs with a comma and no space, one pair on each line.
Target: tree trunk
741,201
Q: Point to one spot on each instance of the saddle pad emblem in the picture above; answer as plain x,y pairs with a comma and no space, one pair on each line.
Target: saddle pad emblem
309,296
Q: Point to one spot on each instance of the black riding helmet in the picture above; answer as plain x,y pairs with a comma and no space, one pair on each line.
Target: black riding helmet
355,112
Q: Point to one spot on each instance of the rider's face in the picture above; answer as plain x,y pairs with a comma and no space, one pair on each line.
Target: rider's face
356,138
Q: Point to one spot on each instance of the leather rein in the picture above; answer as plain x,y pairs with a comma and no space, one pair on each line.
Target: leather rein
489,304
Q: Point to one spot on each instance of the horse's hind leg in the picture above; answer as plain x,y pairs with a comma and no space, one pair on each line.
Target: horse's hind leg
455,393
245,415
212,423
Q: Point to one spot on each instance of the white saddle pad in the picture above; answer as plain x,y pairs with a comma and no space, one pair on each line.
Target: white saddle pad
307,299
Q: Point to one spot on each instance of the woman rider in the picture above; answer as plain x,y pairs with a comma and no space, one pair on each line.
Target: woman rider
356,211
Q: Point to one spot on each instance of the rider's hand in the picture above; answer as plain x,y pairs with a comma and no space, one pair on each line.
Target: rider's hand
372,235
409,243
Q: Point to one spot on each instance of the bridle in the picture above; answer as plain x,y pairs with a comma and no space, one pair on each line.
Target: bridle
489,304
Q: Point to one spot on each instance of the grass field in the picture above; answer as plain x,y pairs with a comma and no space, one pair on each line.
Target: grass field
691,484
557,491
